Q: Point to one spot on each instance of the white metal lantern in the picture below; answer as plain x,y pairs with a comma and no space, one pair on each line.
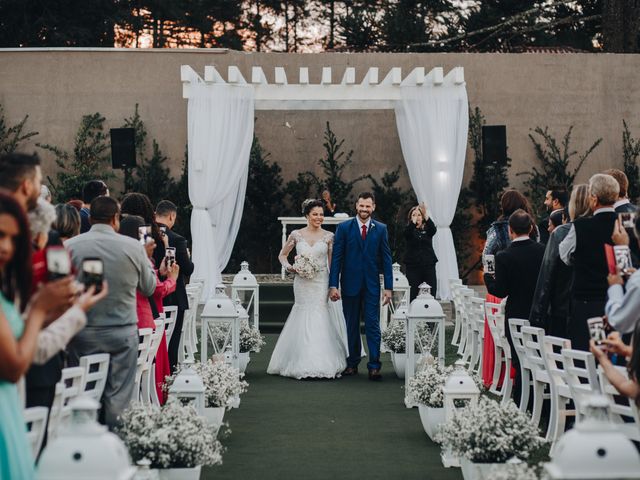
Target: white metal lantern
220,322
458,387
85,449
594,448
401,292
424,310
245,287
188,388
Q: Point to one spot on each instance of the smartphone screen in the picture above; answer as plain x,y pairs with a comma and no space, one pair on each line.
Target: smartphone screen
58,263
170,253
93,273
626,219
144,234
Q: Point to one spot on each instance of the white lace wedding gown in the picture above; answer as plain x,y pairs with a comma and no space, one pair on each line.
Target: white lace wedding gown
313,341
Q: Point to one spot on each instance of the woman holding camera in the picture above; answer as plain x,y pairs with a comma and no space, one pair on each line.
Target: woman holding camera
420,259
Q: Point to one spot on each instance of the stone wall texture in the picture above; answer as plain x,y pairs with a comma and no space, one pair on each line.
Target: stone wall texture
592,92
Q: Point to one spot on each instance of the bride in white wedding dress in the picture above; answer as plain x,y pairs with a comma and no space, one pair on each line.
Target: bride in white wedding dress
313,341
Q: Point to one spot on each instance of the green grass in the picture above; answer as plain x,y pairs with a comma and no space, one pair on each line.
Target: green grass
348,428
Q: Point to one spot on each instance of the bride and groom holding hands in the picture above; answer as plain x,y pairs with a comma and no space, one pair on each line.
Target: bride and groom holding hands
321,338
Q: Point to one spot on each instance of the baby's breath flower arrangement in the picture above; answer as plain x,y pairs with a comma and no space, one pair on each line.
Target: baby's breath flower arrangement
426,385
250,338
222,382
513,471
488,432
394,337
173,436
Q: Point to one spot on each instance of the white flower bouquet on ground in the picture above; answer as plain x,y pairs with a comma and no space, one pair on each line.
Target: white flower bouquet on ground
426,385
394,337
222,383
488,432
305,266
250,338
173,436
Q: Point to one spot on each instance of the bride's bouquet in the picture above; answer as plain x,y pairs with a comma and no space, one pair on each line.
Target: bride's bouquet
306,267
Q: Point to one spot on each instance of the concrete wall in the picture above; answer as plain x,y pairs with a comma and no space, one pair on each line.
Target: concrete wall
593,92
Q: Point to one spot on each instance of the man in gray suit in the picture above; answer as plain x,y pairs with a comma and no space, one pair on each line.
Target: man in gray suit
112,324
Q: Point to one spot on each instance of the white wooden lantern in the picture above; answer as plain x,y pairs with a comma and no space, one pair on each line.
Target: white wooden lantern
401,292
220,322
458,387
245,287
594,448
189,388
423,310
85,449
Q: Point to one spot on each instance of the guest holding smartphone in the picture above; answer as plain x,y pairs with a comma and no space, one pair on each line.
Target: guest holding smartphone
420,258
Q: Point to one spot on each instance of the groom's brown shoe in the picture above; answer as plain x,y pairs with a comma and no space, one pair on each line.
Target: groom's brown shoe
349,371
375,375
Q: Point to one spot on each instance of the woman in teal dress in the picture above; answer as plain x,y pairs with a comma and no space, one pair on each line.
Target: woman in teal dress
18,338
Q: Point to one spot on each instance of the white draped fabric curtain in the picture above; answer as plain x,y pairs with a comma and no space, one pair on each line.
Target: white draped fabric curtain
432,123
220,133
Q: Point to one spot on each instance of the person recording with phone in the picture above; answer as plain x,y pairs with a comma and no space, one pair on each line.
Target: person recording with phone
166,216
23,315
112,324
150,308
420,258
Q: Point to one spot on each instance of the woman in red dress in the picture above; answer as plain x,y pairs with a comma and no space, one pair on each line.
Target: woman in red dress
150,308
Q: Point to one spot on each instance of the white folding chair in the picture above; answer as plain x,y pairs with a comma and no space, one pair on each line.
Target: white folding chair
623,410
465,346
476,323
36,421
456,285
559,389
515,329
144,335
170,316
532,341
148,380
96,368
581,376
69,386
501,350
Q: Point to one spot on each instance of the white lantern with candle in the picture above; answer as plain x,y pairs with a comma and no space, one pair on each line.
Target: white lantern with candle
245,287
220,319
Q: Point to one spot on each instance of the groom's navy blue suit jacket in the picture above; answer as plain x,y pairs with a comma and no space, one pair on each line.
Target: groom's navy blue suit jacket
358,263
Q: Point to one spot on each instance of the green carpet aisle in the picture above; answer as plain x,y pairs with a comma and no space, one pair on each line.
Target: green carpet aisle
349,428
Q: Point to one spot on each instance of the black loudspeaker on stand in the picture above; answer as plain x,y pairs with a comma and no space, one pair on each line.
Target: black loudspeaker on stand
123,148
494,143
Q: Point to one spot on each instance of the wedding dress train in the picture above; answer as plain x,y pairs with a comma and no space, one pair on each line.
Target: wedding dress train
313,341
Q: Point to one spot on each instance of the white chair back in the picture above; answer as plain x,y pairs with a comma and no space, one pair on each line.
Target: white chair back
501,351
71,384
465,346
581,376
170,316
456,286
148,392
477,328
96,368
36,420
144,335
624,411
515,329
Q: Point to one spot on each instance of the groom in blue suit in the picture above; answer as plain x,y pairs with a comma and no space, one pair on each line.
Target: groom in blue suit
360,254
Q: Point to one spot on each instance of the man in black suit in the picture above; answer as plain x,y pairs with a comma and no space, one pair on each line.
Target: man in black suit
555,200
516,274
166,215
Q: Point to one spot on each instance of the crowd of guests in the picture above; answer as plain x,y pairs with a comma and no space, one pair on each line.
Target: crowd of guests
52,310
562,274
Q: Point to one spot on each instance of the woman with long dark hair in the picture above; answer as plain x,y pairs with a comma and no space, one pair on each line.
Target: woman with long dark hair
18,337
140,205
149,308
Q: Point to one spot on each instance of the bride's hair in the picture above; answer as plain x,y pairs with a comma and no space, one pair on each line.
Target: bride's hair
309,204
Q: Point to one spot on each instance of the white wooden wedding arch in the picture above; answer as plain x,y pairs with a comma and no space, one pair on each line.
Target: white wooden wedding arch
431,114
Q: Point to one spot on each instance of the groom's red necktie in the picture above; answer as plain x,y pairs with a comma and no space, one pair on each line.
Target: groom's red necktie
364,232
